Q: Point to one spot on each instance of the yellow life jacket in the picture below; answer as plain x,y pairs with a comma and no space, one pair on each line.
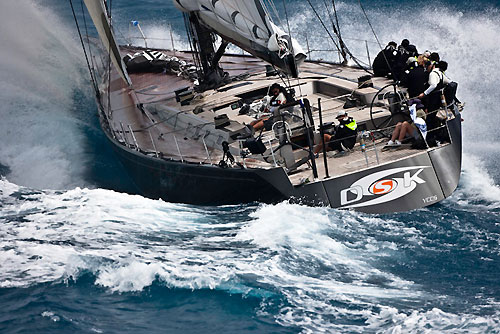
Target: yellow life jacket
353,126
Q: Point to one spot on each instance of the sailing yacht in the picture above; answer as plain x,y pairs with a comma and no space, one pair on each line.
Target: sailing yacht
182,122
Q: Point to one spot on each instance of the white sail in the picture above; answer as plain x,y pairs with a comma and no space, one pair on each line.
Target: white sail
246,24
97,12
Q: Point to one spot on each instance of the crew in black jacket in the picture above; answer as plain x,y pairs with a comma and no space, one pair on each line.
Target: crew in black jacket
385,60
345,135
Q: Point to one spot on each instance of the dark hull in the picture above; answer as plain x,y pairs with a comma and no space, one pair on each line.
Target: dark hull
402,185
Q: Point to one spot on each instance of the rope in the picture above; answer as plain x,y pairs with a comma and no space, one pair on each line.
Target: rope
344,47
336,17
374,34
324,26
335,30
88,40
84,49
290,34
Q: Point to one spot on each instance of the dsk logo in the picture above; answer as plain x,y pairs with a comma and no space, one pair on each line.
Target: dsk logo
384,189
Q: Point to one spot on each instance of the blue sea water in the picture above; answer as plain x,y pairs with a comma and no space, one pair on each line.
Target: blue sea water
78,254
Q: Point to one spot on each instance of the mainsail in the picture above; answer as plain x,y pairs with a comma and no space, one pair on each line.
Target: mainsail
97,11
246,24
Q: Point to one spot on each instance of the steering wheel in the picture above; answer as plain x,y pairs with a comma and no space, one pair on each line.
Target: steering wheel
391,100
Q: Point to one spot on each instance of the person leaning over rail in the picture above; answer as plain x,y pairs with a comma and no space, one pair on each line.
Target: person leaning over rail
345,135
431,98
437,81
450,89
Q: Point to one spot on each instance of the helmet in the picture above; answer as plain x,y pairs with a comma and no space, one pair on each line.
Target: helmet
341,113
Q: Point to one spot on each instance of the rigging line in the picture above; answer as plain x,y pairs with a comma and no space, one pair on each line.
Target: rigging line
84,49
283,80
323,24
336,17
291,44
330,16
88,41
370,24
273,8
128,40
294,60
337,32
333,40
109,60
344,49
376,37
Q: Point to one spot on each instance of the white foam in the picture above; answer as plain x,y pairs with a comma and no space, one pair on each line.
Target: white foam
51,316
131,277
434,321
102,231
477,185
309,256
7,188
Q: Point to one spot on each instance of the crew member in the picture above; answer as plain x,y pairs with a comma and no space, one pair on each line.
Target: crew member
415,78
407,50
385,60
437,80
416,128
344,138
277,99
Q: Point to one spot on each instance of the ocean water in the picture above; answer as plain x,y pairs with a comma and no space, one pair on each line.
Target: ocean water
79,253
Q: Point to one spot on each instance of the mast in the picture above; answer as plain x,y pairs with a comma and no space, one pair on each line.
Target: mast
247,25
202,40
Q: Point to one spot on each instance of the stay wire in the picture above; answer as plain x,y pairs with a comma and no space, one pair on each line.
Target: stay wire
84,49
376,37
337,32
344,47
290,35
323,24
88,41
336,17
333,40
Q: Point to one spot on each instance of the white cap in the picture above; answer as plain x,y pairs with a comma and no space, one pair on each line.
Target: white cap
341,113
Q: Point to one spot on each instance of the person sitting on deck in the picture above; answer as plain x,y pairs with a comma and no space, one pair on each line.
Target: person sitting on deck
344,137
277,98
434,57
416,128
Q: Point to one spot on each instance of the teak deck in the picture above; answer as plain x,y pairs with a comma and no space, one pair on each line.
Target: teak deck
156,91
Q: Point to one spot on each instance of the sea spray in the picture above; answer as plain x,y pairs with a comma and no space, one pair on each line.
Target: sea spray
40,62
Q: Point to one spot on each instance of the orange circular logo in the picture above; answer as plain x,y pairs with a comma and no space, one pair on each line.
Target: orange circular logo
383,187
